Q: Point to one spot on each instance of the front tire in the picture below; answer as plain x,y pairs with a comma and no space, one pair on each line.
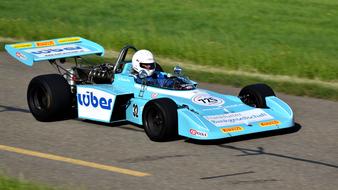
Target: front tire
49,97
254,95
160,119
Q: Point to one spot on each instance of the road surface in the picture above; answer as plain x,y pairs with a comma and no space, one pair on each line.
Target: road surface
305,159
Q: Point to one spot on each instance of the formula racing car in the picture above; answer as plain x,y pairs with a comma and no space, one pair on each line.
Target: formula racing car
109,93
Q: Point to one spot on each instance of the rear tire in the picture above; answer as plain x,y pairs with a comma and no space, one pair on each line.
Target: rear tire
49,97
160,119
254,95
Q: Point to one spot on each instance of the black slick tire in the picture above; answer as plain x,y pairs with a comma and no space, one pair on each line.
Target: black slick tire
49,97
254,95
160,119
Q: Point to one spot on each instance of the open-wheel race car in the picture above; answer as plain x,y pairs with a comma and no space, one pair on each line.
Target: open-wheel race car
110,93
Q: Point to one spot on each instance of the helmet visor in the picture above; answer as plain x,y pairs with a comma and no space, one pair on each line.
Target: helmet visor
148,66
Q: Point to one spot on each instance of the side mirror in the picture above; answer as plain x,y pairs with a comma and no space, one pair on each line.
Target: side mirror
142,74
177,70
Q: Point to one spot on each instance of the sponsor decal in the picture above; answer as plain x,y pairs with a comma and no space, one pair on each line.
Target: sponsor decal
213,109
20,46
135,110
198,133
232,129
207,100
94,104
45,43
57,50
269,123
21,56
238,118
122,78
89,99
154,95
68,40
233,106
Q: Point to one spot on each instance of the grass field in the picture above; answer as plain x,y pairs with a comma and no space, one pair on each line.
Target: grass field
297,38
7,183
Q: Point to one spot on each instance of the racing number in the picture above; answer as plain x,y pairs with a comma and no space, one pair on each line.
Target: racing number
209,100
135,110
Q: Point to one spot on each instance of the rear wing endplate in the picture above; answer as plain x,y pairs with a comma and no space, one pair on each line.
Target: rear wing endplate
30,52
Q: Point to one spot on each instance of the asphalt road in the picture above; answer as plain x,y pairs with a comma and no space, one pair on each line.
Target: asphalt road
305,159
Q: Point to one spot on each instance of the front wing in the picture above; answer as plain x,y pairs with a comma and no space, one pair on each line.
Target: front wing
193,125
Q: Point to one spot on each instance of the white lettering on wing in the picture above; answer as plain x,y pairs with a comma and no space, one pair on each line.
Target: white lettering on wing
238,118
57,50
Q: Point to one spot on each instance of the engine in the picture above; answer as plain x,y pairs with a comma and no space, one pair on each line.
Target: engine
101,74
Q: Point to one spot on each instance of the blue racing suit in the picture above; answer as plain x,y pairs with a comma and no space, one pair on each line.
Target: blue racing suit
157,79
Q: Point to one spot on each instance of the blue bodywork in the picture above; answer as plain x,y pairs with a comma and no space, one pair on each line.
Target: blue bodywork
202,114
193,118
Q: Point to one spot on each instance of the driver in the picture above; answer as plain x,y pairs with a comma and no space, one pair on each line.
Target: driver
143,60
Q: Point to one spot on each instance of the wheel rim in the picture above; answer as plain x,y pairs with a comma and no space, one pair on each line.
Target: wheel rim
155,120
40,98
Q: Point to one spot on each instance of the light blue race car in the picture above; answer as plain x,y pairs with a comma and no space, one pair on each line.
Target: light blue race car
111,93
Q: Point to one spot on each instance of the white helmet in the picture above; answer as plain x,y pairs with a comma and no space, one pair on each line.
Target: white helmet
144,60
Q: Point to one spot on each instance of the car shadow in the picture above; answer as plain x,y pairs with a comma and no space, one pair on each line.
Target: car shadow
285,131
126,125
4,108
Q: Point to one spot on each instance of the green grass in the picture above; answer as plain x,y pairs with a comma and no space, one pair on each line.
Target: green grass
284,37
297,38
2,44
7,183
310,90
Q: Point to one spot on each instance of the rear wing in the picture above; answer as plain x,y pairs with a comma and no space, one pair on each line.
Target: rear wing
30,52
